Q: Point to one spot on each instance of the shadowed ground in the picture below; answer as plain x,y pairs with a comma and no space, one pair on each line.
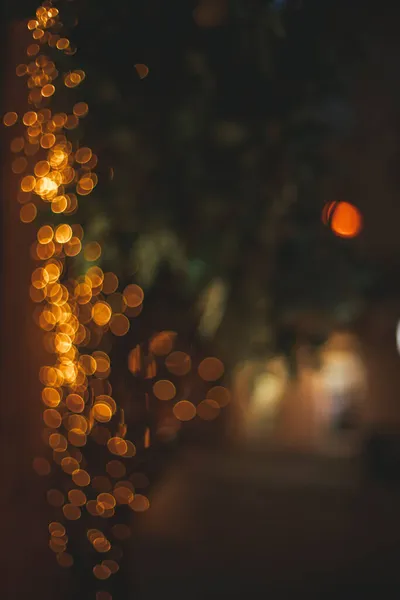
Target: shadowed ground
226,525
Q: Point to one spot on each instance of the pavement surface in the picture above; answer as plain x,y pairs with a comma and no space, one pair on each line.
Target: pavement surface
230,524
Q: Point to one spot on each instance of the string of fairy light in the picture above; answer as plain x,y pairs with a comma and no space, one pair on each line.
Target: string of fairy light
76,312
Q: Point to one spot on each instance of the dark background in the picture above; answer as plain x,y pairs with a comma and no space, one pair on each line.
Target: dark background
230,147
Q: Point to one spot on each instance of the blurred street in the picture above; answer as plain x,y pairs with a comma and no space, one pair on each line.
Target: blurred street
226,525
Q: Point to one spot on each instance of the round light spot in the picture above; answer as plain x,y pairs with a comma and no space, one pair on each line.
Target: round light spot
71,512
101,313
140,503
28,213
164,389
184,410
208,410
162,343
116,469
119,324
220,395
142,70
133,295
81,477
10,119
117,445
211,369
102,412
178,363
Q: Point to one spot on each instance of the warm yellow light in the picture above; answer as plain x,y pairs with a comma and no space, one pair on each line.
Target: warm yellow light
63,233
101,313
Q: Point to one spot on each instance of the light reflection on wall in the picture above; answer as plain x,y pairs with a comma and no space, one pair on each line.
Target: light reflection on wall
268,389
340,390
321,407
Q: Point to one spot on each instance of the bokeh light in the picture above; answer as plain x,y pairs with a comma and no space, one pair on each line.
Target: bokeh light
178,363
345,219
10,119
211,369
164,389
142,70
184,410
79,309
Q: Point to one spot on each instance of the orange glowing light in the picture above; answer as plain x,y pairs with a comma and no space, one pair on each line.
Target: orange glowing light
83,155
62,44
110,283
178,363
28,183
75,403
119,324
208,410
77,497
71,512
346,220
123,494
10,119
17,144
140,503
56,529
29,118
48,90
51,397
63,233
48,140
142,70
81,477
28,213
69,465
184,410
80,109
92,251
45,234
101,572
164,390
52,418
102,412
101,313
117,445
220,395
107,500
211,369
133,295
72,122
162,343
33,49
19,165
59,205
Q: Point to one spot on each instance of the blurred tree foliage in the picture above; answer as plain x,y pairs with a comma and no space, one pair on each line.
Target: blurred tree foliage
213,168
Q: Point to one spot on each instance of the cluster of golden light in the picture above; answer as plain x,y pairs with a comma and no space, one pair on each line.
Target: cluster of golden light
75,312
180,365
62,173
